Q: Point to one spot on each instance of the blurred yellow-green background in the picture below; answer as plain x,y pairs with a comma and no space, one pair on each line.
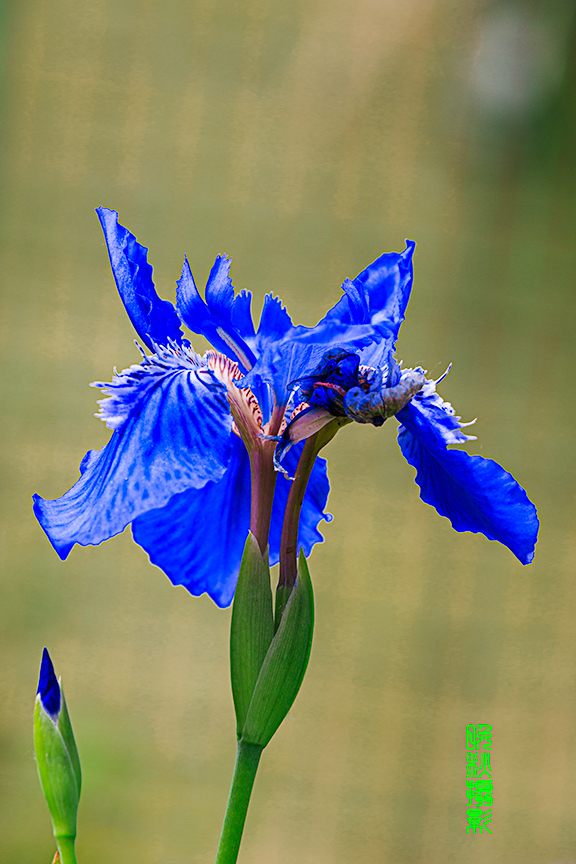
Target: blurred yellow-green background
303,138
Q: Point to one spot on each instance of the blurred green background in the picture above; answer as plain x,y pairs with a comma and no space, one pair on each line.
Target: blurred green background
303,138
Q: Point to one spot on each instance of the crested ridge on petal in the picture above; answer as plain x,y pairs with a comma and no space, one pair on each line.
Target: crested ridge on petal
434,417
174,435
131,386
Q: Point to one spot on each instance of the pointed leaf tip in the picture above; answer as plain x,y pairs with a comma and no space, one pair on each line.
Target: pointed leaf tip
48,687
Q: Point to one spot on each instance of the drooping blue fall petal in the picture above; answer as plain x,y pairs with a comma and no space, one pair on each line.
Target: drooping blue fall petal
172,423
198,538
155,320
475,493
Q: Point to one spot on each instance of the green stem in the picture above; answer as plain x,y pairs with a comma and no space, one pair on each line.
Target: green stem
66,849
247,759
289,539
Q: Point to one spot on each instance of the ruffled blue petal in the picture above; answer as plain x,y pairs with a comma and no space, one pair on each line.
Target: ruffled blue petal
224,303
432,413
155,320
313,506
198,538
224,319
174,434
376,298
367,317
274,324
385,287
476,494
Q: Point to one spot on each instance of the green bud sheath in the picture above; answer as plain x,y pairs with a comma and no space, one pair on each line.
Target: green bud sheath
285,663
65,727
252,626
56,772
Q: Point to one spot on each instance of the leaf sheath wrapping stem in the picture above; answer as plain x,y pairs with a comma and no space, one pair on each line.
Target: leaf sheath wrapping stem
285,663
252,626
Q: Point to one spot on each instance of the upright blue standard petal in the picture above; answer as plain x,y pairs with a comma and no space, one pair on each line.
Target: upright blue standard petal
155,320
379,295
224,319
367,317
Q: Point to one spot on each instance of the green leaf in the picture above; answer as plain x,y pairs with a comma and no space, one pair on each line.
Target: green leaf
56,771
285,663
252,626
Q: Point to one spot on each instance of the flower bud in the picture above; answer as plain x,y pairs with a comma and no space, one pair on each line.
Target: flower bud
56,753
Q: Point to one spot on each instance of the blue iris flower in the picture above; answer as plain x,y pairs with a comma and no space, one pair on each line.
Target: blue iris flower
194,436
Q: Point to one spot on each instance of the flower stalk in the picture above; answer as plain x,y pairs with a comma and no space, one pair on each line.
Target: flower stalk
289,540
66,850
263,484
247,761
267,661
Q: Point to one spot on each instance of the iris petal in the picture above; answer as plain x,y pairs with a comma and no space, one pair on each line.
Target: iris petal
176,437
435,416
475,493
274,324
224,303
155,320
280,364
224,319
378,295
197,539
367,317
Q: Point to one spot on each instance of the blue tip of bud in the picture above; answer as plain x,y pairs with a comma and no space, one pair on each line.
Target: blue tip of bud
48,686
